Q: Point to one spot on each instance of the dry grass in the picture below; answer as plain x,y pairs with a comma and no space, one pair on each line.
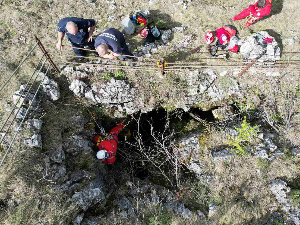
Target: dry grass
30,201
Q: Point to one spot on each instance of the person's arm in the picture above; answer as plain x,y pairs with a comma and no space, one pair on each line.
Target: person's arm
92,29
60,37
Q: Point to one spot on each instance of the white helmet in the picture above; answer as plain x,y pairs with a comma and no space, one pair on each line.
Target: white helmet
101,154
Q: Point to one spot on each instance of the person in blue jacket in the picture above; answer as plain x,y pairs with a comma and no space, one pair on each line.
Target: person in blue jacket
113,40
79,32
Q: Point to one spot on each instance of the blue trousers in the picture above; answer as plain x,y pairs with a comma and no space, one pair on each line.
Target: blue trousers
125,50
80,52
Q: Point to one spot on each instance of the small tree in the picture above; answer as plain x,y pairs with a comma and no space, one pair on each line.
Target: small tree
245,133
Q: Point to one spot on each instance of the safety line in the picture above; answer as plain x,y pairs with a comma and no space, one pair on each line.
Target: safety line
11,143
16,113
15,71
96,58
22,92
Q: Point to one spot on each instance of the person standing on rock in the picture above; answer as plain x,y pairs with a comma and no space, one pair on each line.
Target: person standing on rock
226,39
107,149
79,32
113,40
255,12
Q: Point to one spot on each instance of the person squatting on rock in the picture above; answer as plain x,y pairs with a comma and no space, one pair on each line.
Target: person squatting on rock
226,39
113,40
255,12
79,32
108,148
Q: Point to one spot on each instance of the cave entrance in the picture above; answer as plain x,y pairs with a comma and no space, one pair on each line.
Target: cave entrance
147,152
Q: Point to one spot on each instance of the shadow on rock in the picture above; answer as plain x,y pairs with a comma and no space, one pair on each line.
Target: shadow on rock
277,37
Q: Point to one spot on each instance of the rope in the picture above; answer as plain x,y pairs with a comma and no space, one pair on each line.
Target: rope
15,106
15,71
11,143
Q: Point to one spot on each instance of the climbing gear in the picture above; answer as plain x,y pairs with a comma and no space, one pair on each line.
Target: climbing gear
138,18
231,30
209,37
144,33
213,50
161,63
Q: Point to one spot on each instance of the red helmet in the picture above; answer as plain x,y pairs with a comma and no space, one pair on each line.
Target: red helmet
209,37
144,33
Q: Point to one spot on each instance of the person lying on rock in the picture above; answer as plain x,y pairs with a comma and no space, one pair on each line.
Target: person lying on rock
225,39
255,12
107,149
79,32
111,44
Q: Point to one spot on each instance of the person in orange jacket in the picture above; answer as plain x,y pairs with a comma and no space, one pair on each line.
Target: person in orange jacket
107,149
255,12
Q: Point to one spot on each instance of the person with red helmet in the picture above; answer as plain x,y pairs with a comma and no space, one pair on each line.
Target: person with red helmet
226,39
255,12
107,149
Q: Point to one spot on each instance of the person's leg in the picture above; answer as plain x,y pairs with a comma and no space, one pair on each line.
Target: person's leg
77,51
116,130
242,15
125,50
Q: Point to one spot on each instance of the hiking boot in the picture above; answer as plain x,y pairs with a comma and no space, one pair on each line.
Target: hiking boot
213,50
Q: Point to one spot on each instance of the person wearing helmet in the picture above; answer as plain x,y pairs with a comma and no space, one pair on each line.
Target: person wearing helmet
255,12
225,39
113,40
107,149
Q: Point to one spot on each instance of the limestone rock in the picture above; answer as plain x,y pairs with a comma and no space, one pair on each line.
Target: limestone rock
34,124
78,219
76,144
50,87
20,113
78,87
165,36
125,207
90,221
280,190
224,154
22,97
257,47
58,155
34,141
296,152
88,197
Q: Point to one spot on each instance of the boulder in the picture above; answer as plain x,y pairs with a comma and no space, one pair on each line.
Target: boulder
34,141
34,124
58,155
88,196
76,144
165,36
50,87
78,219
260,46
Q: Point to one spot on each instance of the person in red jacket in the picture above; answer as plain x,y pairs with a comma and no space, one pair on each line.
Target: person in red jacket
108,148
226,39
255,12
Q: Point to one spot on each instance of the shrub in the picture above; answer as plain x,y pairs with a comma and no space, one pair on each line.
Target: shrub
245,133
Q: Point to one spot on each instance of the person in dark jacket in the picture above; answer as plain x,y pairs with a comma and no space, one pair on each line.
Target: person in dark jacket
113,40
79,32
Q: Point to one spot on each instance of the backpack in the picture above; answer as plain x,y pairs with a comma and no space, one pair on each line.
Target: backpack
138,18
231,30
154,33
